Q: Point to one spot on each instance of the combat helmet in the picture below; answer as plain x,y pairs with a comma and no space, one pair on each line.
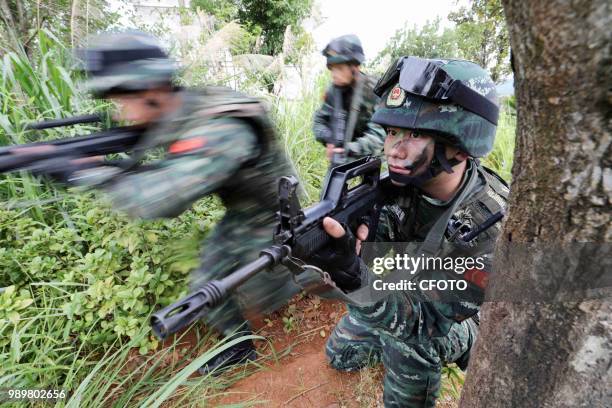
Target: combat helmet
344,50
129,61
452,100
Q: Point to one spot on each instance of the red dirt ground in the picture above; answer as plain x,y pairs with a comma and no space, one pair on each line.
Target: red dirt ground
299,377
302,378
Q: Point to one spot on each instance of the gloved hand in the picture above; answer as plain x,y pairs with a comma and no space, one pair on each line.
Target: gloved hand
340,258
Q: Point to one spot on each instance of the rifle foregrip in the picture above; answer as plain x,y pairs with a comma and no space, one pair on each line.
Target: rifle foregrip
14,162
181,314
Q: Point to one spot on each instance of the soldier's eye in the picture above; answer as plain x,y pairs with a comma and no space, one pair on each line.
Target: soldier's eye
414,135
391,132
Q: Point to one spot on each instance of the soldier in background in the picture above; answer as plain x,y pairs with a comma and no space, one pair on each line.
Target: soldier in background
343,123
212,141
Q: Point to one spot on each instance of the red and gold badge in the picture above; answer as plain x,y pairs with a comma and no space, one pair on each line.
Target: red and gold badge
396,97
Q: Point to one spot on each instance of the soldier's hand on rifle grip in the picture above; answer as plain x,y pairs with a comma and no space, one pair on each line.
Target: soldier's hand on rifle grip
340,259
330,149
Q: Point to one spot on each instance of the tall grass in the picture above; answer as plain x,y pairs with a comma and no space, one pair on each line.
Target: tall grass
501,158
293,119
52,250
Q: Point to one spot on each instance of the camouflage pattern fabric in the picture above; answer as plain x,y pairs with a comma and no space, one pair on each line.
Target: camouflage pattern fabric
368,137
412,369
219,142
127,60
414,338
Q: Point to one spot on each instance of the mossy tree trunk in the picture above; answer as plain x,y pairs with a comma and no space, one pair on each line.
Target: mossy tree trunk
553,353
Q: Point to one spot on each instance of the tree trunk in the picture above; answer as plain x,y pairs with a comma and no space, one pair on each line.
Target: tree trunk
553,353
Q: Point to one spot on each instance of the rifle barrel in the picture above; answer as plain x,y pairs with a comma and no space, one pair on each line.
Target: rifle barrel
75,120
181,314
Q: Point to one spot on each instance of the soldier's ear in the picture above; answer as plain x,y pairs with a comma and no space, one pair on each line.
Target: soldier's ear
461,156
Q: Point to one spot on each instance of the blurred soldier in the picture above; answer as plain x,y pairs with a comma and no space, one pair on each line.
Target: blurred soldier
343,124
212,140
439,115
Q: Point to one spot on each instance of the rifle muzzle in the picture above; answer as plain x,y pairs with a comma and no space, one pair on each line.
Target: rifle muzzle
179,315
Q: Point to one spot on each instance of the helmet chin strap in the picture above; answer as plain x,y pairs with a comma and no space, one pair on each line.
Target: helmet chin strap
438,164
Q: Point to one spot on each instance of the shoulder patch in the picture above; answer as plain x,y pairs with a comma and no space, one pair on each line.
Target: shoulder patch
187,145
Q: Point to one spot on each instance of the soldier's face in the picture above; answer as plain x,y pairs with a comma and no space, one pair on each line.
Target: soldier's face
342,74
141,108
408,153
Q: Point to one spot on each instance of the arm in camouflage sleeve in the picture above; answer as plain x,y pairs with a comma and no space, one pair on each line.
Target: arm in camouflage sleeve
322,122
203,159
371,142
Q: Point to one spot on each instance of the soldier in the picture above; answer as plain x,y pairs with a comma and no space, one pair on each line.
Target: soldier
348,104
212,140
439,115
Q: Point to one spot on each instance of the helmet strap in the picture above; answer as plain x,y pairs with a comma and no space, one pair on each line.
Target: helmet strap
438,164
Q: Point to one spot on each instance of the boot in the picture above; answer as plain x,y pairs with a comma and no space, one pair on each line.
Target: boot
240,353
462,362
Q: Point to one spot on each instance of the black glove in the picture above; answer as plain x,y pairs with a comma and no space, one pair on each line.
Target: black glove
324,136
340,261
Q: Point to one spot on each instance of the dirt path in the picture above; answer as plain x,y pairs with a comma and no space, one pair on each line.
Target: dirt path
302,378
295,371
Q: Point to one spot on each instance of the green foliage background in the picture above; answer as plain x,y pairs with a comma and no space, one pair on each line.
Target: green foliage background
268,18
479,35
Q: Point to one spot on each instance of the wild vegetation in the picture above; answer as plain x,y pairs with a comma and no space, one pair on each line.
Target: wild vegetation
79,280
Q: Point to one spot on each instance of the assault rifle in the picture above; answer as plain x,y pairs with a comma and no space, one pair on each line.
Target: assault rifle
343,125
114,140
299,234
338,127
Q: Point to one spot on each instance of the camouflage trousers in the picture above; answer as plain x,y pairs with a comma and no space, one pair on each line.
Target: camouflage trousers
231,245
412,367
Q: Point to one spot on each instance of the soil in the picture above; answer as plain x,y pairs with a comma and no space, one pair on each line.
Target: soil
302,378
295,372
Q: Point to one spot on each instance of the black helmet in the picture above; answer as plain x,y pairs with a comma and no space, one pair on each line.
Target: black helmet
126,61
343,50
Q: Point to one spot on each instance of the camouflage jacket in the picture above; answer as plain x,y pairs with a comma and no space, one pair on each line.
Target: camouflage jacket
409,217
219,141
368,137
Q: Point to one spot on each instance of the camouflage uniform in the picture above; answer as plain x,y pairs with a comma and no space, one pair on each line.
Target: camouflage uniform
412,338
368,137
218,142
414,333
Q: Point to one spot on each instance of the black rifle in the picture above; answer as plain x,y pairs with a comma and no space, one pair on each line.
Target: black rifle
299,235
114,140
75,120
338,127
343,125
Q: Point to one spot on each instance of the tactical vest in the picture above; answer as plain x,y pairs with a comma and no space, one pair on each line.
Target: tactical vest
474,210
254,184
258,177
366,107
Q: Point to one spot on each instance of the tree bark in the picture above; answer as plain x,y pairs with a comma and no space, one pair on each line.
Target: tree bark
553,353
